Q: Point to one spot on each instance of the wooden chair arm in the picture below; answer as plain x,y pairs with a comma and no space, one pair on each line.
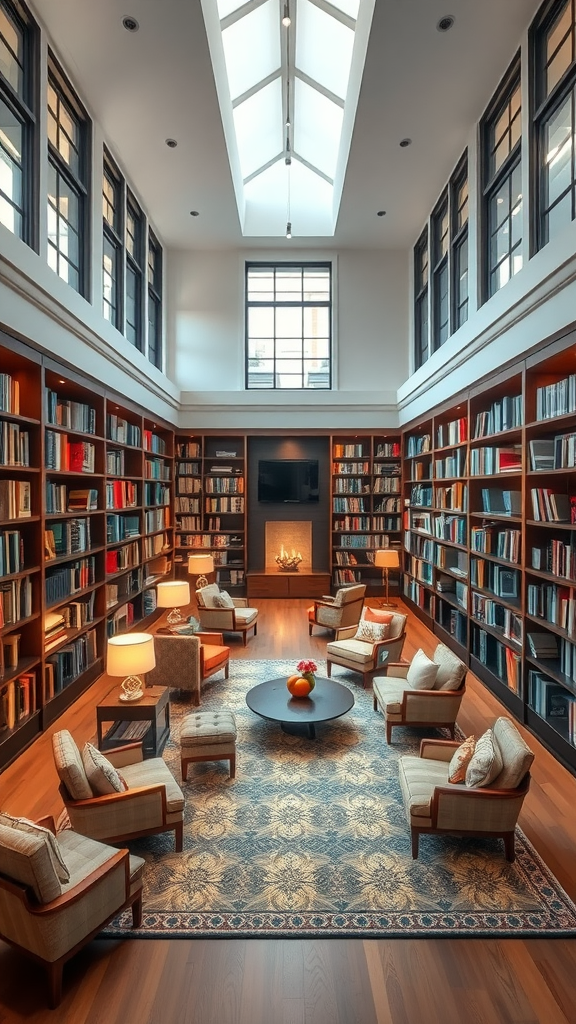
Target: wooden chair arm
128,753
216,639
438,750
83,887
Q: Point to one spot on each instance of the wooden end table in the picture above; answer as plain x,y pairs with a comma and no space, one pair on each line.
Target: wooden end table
154,708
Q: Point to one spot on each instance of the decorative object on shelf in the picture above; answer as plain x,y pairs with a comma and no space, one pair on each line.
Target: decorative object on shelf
386,559
127,656
172,594
302,682
200,566
287,562
187,627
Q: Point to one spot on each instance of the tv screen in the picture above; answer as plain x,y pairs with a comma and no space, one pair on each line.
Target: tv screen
288,480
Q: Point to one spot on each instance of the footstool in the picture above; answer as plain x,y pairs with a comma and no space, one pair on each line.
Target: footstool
208,736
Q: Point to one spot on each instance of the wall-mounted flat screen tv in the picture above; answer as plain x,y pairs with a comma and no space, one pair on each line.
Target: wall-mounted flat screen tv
288,480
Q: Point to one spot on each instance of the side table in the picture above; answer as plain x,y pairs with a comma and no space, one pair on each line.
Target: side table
147,719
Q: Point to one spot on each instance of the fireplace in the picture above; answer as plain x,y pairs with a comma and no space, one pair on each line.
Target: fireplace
288,537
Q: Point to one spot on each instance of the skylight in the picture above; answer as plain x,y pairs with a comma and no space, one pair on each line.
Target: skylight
288,98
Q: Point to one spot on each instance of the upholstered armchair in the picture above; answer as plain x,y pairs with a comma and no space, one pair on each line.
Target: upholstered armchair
485,802
358,649
119,796
424,693
344,609
58,891
185,662
217,610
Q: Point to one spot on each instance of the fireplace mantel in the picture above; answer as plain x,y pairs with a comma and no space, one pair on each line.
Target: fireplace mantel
274,583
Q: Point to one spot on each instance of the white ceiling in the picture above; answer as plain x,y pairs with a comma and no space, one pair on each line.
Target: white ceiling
157,83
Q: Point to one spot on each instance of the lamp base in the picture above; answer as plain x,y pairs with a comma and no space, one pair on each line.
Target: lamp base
175,617
132,688
201,582
388,604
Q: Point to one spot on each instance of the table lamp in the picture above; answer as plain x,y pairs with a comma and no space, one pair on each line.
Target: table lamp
386,559
128,655
200,565
172,594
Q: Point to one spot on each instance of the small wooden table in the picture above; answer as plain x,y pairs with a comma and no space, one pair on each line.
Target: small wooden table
273,700
154,708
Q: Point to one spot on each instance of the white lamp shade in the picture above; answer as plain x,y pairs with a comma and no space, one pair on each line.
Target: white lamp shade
387,558
173,594
199,565
130,654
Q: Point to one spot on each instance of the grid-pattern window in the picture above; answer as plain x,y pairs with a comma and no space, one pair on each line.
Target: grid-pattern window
112,216
501,130
421,299
134,258
288,326
154,301
440,279
68,159
554,41
18,49
459,244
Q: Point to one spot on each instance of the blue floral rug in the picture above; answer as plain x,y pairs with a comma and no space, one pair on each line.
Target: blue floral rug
311,839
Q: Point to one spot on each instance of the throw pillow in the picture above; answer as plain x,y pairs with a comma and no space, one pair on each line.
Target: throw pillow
375,615
208,594
25,825
516,754
485,763
422,672
223,600
451,670
460,760
371,631
100,772
69,765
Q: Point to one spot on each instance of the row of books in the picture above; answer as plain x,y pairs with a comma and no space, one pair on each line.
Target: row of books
351,485
454,432
487,610
17,700
15,499
156,519
69,578
156,544
451,465
348,451
554,703
73,659
64,412
59,498
492,540
121,620
387,485
504,414
558,399
15,600
188,468
453,621
489,461
232,577
501,581
224,504
121,494
421,570
454,497
498,657
349,504
123,587
557,557
418,545
62,454
421,469
120,528
11,552
551,507
351,468
14,445
115,462
224,485
182,504
362,540
156,469
188,485
352,523
387,450
502,502
451,560
121,430
156,493
421,494
188,450
125,557
554,604
452,528
418,444
154,443
9,394
68,537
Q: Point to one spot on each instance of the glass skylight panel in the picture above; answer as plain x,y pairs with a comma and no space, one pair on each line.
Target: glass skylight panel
258,126
317,128
226,7
349,7
252,48
327,62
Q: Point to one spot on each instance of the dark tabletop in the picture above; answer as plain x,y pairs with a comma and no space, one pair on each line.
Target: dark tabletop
273,700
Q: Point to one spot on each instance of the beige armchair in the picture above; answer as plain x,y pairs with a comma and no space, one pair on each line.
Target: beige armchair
185,662
368,657
436,704
141,799
217,610
436,806
344,609
58,892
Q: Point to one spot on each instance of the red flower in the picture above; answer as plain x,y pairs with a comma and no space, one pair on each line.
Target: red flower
307,666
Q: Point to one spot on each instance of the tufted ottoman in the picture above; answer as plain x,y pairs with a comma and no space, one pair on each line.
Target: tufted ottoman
208,736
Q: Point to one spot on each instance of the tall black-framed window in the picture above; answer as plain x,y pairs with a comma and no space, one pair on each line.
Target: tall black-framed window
501,156
421,352
112,247
154,300
134,271
459,244
68,163
288,326
440,278
18,121
553,49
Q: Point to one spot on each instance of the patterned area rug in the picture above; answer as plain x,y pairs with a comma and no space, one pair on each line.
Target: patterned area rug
311,839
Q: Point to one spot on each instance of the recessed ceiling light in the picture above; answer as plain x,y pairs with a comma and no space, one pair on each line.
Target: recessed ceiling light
405,142
445,24
171,143
381,213
130,24
194,213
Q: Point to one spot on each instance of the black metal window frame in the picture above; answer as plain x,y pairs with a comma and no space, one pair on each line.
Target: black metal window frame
271,381
71,179
155,277
421,311
21,102
459,215
440,239
113,203
500,183
552,43
134,235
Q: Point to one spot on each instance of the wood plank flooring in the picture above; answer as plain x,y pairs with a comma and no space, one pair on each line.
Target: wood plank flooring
308,981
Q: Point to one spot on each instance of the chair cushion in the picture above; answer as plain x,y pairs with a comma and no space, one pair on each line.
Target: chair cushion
214,656
377,615
207,595
422,672
245,616
201,727
69,766
357,651
372,631
486,762
25,825
451,670
25,857
100,772
398,624
389,694
223,600
154,772
516,754
460,760
418,778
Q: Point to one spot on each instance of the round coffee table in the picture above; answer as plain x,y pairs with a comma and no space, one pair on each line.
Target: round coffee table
273,701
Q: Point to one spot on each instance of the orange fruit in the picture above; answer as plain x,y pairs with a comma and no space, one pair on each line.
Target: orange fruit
292,679
298,686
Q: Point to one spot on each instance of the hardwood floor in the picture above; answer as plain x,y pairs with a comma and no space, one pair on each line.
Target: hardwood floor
311,981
